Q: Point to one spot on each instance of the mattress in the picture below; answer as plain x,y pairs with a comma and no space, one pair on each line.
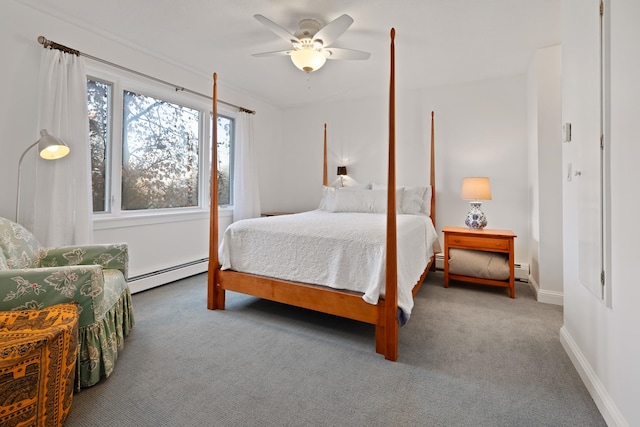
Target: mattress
341,250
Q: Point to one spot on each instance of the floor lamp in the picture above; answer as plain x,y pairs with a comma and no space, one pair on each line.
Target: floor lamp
50,148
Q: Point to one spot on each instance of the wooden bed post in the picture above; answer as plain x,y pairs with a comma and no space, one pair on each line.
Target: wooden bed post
432,177
325,177
215,295
391,282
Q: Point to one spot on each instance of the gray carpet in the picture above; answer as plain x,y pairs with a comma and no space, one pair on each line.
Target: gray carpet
469,356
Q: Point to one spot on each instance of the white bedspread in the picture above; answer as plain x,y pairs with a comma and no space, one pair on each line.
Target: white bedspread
338,250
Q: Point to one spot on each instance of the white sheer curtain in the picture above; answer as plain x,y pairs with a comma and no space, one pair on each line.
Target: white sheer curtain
246,192
62,201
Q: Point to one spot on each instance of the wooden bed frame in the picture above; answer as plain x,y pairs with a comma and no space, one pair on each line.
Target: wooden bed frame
340,303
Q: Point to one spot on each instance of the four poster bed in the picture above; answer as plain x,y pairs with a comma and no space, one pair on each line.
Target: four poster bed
334,259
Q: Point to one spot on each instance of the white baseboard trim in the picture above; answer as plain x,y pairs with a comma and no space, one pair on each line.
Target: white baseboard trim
550,297
598,392
168,276
545,296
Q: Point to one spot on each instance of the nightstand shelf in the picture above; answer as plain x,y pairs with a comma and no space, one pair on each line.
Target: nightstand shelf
487,240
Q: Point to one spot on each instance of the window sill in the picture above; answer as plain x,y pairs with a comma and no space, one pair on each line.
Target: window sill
108,221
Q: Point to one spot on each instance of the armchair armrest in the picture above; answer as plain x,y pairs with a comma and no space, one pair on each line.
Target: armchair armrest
114,256
36,288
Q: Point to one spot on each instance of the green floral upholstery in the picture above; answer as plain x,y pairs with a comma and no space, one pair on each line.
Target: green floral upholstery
94,276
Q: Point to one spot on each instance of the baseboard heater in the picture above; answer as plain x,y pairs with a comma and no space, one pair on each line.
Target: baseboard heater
521,270
163,276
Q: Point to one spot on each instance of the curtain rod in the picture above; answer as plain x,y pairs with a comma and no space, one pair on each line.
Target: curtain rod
53,45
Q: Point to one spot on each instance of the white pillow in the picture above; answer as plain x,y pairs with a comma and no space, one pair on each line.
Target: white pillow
399,195
366,201
328,198
415,200
426,197
412,202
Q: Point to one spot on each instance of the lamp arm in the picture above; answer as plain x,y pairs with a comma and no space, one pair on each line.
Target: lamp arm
19,174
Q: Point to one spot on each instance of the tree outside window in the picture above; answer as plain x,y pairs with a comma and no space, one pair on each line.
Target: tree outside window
160,151
99,96
225,159
159,154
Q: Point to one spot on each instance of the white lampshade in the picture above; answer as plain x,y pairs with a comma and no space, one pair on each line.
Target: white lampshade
476,188
50,147
308,59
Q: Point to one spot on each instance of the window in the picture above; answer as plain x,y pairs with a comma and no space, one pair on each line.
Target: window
225,159
98,98
151,154
159,154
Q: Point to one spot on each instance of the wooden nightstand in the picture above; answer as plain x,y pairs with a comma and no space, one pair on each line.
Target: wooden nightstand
479,240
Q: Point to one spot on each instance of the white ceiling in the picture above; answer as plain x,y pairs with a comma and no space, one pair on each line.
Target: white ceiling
438,42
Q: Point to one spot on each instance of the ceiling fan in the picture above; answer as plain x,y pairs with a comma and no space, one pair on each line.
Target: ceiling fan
311,43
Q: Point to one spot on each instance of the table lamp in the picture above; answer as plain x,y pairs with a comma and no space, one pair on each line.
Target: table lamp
476,189
342,171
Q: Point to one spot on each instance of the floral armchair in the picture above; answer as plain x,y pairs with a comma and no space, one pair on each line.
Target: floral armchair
94,276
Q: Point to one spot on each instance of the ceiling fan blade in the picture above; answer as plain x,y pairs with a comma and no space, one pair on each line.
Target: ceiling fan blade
334,29
277,29
340,53
275,53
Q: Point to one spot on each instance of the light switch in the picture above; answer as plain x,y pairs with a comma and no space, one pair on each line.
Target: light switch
566,132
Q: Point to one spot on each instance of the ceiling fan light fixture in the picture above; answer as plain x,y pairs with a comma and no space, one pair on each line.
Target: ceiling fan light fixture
312,42
308,60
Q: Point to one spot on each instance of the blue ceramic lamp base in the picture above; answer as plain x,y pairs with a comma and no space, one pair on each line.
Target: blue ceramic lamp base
475,218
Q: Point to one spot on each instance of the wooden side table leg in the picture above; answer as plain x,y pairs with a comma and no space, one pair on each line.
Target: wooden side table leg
446,264
512,273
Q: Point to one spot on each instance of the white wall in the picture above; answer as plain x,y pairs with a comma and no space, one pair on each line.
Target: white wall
480,130
155,243
545,173
603,341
